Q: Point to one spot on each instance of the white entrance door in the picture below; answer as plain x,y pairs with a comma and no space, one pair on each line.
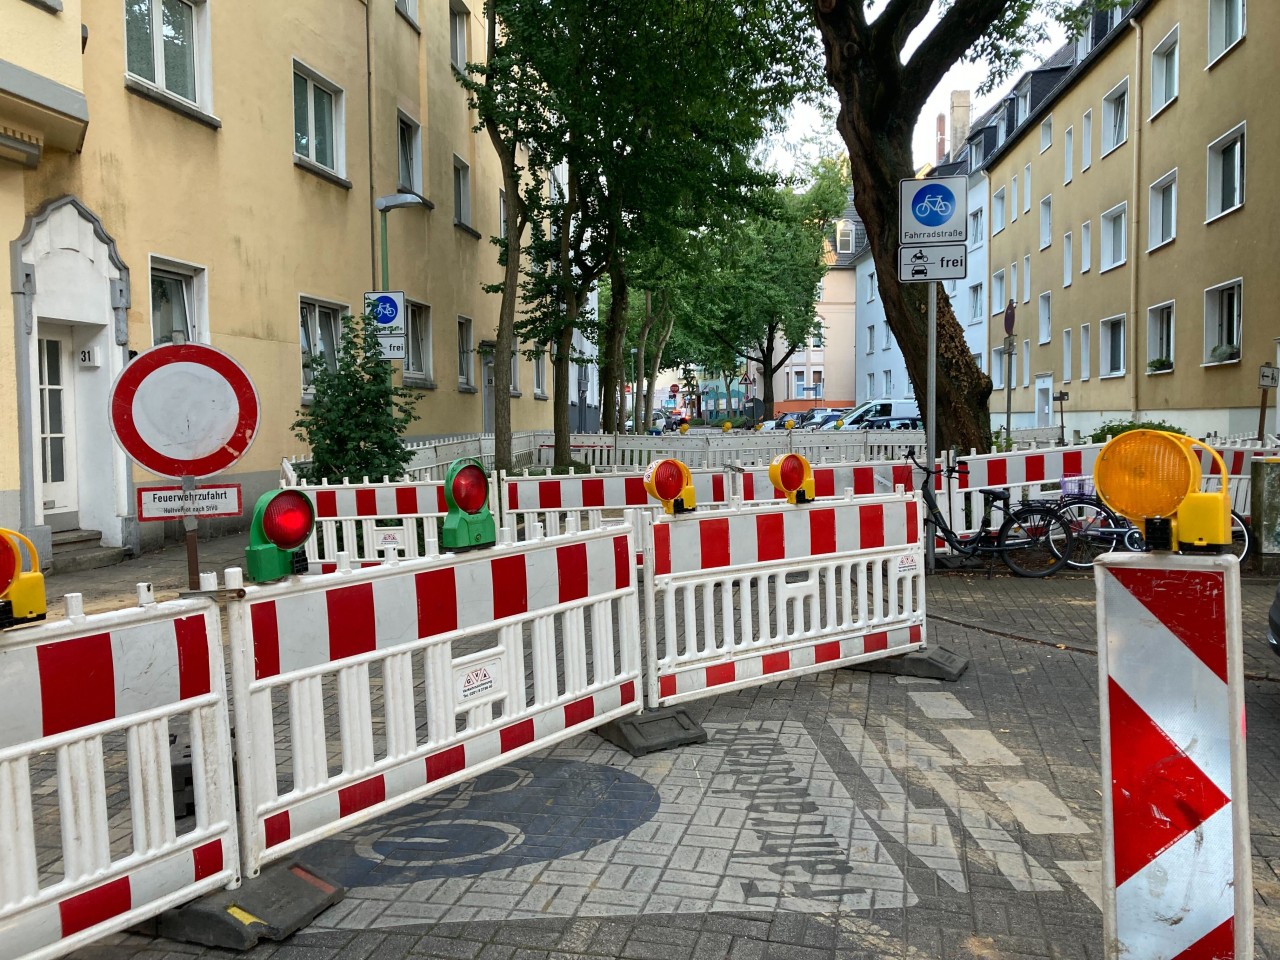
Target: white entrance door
57,428
1044,401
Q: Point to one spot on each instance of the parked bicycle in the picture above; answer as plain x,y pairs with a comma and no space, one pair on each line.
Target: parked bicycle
1033,539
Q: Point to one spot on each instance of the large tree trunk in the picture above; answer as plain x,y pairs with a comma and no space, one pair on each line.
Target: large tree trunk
667,318
613,341
562,365
644,378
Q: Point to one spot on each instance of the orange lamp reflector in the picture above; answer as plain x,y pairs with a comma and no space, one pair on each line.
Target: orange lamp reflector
1144,474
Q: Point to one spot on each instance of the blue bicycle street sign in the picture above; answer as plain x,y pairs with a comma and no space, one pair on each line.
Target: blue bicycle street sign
933,210
387,309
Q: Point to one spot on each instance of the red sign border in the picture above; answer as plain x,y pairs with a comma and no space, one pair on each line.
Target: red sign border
120,407
202,516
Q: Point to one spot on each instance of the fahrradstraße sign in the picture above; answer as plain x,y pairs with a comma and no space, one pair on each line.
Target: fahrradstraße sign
933,210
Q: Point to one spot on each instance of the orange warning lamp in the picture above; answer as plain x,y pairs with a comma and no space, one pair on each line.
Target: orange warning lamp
669,480
21,591
1153,478
792,474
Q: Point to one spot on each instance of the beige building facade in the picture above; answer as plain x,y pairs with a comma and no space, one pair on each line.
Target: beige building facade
209,170
1132,234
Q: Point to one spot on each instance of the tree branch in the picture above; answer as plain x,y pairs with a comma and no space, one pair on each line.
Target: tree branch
957,31
897,21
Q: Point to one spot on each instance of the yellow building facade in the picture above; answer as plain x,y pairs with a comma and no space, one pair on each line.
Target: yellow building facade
1127,231
211,170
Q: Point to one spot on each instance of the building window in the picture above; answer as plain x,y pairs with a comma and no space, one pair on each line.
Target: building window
1162,222
1023,109
461,192
817,383
978,359
1160,338
1013,200
178,303
502,216
997,211
871,286
320,332
167,45
515,373
1026,279
1046,222
409,8
540,374
1066,355
1084,351
458,17
1086,140
1046,318
1086,246
1223,312
887,388
1226,173
1046,134
888,337
871,386
816,341
1026,189
1013,280
1111,359
798,375
1066,259
997,292
466,354
977,308
418,333
410,151
1026,363
844,237
1068,149
317,120
998,363
976,228
1113,243
1226,26
871,337
1115,117
1164,72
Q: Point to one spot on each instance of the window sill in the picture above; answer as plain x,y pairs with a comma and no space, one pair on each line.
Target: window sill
1161,245
1046,246
1114,266
515,394
1067,182
1221,363
404,15
1225,213
324,173
467,388
1066,284
540,396
1113,148
1218,59
1162,108
1116,375
418,381
467,229
149,91
52,6
1159,373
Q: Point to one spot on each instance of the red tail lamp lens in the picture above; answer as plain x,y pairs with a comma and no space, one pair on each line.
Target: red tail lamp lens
8,564
288,520
668,480
791,473
470,489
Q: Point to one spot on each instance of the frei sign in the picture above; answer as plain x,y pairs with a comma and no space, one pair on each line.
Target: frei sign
933,229
387,308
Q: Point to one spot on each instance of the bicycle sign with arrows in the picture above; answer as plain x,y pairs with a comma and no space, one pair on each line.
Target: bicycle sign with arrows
933,210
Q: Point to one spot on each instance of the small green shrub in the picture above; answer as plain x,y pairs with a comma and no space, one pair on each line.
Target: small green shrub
1113,428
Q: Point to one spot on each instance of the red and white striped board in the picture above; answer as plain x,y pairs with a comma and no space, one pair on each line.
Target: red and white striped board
1177,877
1026,466
832,480
68,690
512,649
586,492
749,595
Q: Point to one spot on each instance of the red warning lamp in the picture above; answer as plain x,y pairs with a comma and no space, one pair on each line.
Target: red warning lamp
670,481
792,474
470,489
282,522
288,520
469,522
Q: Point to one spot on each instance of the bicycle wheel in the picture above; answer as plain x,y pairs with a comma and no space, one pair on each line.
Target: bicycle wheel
1095,530
1240,540
1035,541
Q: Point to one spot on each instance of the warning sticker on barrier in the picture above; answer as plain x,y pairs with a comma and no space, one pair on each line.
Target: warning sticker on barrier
479,681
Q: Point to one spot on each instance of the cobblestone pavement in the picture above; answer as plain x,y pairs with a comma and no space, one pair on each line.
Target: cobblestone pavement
839,815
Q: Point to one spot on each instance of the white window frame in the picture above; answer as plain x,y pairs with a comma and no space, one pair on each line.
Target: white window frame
1026,363
1026,279
1046,133
977,304
502,222
998,303
871,286
844,236
1218,44
1106,241
409,8
1167,52
1086,141
202,62
1086,246
466,353
314,320
1068,267
195,293
1068,154
1116,95
1026,189
886,384
1213,175
1108,328
459,17
1085,348
515,371
339,125
1154,320
1013,280
540,374
461,192
1046,222
977,227
871,338
414,183
871,385
1013,196
1067,356
1023,108
1045,306
997,211
1155,211
1212,318
887,342
418,331
998,364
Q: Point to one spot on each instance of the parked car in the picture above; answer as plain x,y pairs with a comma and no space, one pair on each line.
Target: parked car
827,421
890,423
1273,623
883,408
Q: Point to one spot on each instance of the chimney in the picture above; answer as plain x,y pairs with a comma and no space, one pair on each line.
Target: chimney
960,117
941,137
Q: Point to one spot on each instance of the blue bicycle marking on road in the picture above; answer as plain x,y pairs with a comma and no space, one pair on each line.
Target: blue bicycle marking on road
933,205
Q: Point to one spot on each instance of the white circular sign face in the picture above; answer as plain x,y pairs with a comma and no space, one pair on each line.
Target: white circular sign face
185,411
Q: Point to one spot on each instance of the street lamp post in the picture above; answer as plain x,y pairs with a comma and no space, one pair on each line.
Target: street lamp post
635,394
394,201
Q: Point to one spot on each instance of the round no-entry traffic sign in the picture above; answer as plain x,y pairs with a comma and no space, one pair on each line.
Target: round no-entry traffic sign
184,410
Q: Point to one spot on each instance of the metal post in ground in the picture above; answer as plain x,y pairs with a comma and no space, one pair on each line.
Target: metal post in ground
931,405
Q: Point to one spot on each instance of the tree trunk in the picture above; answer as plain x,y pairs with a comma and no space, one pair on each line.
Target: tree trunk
668,320
644,384
561,366
613,340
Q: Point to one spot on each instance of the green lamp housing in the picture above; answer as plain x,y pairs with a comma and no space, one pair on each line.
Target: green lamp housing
469,522
282,522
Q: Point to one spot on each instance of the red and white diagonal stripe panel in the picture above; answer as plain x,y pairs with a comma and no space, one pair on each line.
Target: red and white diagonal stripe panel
1033,466
1176,861
832,480
601,492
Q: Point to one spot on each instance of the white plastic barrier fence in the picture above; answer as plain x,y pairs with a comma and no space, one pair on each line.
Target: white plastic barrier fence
467,661
746,596
830,480
1239,463
88,839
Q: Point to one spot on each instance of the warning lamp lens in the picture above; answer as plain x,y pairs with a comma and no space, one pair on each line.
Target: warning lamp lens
288,520
668,480
791,473
1145,474
9,563
470,489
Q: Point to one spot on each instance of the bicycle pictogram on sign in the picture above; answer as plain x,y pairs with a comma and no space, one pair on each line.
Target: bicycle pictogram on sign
933,205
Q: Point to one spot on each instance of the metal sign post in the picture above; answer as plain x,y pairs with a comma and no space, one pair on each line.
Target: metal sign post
1268,379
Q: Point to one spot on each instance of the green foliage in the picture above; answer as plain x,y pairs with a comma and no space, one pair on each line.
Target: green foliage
1113,428
1001,441
357,416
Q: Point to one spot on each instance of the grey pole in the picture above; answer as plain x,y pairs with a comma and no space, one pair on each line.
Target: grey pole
1010,343
931,405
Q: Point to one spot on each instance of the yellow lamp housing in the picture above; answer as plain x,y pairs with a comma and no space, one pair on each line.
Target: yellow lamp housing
792,474
22,598
670,482
684,428
726,427
1153,478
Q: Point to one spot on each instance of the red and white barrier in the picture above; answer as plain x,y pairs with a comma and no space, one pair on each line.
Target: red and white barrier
831,480
83,701
469,661
746,596
1176,858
